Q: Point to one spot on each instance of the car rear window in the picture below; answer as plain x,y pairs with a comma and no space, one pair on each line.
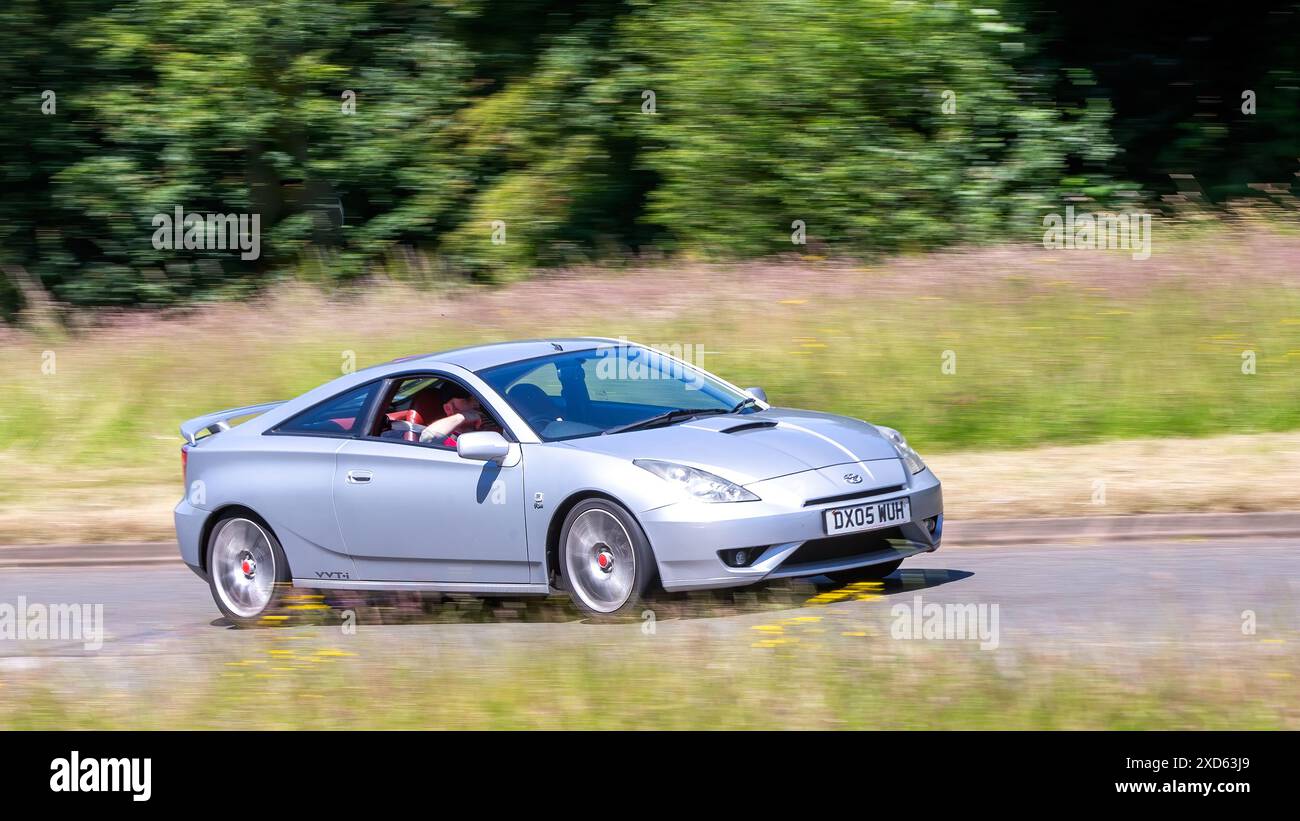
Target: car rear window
339,416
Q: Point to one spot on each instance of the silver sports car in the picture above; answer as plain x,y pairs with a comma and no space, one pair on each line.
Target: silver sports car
591,466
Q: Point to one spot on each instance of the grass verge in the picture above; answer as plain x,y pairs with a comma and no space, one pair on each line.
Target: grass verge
643,682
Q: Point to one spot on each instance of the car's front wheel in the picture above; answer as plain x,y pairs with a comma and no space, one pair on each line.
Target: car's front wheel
605,558
871,572
247,570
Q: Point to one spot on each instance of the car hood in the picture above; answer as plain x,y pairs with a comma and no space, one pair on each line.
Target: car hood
745,448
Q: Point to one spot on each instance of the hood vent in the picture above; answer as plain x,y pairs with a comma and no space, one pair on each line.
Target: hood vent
748,426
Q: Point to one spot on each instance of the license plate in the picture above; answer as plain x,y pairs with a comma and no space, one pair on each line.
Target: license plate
872,516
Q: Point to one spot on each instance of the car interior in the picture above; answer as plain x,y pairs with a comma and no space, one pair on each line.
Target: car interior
416,403
556,398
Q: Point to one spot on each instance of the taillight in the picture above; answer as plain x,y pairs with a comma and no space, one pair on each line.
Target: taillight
185,464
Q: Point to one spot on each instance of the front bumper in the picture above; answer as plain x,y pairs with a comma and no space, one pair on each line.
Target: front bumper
687,536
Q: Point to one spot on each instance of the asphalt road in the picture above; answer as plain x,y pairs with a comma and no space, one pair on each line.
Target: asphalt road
1110,602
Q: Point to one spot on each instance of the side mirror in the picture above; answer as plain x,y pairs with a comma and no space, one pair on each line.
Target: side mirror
482,446
757,393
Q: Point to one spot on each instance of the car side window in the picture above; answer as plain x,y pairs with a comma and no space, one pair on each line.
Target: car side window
339,416
417,404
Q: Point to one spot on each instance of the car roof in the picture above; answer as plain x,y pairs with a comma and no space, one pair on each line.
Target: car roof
478,357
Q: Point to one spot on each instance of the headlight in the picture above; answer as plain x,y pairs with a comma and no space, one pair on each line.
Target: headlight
698,484
910,457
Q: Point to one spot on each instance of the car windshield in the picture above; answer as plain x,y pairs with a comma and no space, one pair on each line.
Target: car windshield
606,390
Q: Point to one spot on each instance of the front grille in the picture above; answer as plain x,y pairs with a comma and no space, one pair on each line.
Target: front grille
861,494
842,547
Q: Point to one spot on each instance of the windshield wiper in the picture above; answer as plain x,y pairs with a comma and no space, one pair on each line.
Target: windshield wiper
744,403
674,415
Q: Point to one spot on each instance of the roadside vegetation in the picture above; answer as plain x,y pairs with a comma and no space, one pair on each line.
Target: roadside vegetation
1007,347
1045,348
627,680
368,132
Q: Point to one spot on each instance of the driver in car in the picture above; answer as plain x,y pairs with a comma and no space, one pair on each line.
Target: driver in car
464,413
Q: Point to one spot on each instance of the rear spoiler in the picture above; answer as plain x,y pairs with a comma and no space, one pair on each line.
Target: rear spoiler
220,420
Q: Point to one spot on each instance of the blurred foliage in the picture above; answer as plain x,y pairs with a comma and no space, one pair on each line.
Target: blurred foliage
532,113
1176,79
833,114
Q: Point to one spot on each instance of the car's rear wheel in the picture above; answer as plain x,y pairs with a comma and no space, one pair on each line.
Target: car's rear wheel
247,570
864,574
605,559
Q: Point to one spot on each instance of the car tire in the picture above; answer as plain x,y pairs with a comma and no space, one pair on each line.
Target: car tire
605,560
239,548
871,572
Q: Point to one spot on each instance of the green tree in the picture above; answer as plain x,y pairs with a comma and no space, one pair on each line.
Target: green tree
223,108
834,114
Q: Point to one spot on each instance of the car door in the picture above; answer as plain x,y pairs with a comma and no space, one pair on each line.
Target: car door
287,475
421,513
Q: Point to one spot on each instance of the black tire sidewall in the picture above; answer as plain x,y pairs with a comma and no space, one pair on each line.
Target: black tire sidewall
646,569
283,578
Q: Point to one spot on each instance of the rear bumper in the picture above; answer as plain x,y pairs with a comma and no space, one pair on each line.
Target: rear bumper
687,537
189,534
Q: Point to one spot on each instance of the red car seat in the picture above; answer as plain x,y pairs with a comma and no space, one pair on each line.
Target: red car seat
426,408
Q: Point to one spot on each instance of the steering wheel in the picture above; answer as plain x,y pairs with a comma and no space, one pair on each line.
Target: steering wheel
538,422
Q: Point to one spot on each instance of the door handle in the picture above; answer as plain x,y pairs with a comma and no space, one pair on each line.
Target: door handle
360,477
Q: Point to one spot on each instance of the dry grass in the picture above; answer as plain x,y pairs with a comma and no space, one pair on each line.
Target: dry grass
1224,474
